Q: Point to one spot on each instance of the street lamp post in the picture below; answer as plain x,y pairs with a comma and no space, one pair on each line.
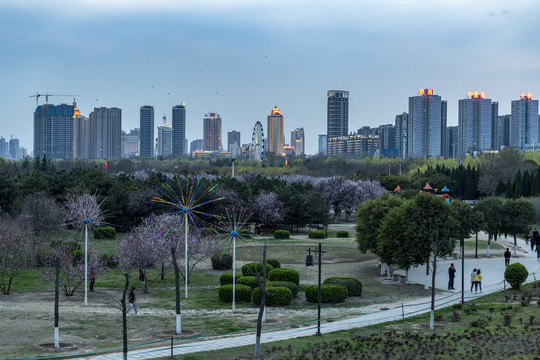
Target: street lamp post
86,221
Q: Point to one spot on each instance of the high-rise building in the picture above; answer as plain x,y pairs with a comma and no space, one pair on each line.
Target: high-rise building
474,123
53,131
130,143
165,138
323,145
146,148
4,147
14,150
451,142
494,124
81,134
274,128
179,143
106,133
337,113
297,140
524,129
424,129
503,131
233,141
212,132
353,146
387,137
196,145
400,130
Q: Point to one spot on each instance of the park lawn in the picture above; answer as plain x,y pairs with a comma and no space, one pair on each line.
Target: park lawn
470,244
502,325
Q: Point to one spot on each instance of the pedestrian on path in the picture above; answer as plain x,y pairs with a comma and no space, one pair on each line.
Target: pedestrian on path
478,281
92,280
473,276
507,256
131,298
533,242
537,252
451,276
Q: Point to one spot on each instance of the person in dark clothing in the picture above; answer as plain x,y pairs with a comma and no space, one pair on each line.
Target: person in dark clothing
131,299
92,280
507,256
451,276
533,242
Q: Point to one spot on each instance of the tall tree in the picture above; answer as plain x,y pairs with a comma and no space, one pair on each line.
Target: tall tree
518,216
492,210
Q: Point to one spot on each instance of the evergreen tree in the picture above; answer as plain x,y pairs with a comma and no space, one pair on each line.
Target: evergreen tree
500,189
518,186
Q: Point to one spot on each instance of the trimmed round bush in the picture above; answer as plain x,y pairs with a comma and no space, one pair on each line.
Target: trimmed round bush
318,234
330,294
516,274
226,278
250,281
105,232
275,263
342,234
291,286
242,292
282,274
251,269
282,234
277,296
244,233
221,261
354,286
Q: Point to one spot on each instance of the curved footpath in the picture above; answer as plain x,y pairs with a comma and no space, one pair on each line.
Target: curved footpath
492,269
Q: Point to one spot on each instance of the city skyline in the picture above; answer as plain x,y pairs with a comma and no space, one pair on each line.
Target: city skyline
451,47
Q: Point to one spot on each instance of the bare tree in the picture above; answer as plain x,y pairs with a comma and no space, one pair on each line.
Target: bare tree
41,214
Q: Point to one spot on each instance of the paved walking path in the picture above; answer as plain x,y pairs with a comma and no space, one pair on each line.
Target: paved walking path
492,270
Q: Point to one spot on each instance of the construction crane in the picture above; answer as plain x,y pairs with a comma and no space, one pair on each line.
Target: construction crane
38,95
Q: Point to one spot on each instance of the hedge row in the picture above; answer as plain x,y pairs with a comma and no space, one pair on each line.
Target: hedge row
289,275
354,286
277,296
330,294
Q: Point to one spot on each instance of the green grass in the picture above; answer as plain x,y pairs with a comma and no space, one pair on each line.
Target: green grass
470,244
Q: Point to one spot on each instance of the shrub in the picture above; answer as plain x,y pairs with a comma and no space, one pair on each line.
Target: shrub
275,263
105,232
354,286
516,274
318,234
330,294
226,278
251,269
109,260
282,234
342,234
250,281
244,233
277,296
292,286
221,261
281,274
242,293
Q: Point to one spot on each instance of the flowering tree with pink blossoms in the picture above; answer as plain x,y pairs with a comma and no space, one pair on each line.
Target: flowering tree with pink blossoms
268,209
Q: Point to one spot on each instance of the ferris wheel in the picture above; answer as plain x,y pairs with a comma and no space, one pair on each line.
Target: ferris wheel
257,142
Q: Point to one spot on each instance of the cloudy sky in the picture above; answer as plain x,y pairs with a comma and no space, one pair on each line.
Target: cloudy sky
239,58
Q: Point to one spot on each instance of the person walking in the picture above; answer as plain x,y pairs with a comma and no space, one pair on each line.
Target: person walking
473,276
537,252
451,276
507,256
92,280
533,242
478,281
131,298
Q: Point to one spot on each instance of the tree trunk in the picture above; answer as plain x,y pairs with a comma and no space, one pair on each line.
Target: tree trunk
56,299
426,285
124,318
515,245
488,244
177,291
434,272
264,294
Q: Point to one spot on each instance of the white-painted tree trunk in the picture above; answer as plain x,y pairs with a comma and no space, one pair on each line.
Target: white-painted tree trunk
186,254
383,269
431,319
264,315
56,338
487,251
515,250
234,272
178,324
85,265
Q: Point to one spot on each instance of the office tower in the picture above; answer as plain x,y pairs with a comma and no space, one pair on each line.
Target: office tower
165,138
297,140
131,143
387,137
212,132
81,134
444,108
53,131
353,146
424,129
524,122
196,145
233,141
4,147
274,128
106,133
400,130
179,143
451,142
146,147
474,123
337,113
323,145
14,151
494,124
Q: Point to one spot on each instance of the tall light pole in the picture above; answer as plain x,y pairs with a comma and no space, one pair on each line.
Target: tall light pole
86,221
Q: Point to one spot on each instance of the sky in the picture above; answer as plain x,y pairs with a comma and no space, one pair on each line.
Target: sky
241,58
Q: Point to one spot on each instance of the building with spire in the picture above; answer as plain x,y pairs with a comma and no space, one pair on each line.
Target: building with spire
274,128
